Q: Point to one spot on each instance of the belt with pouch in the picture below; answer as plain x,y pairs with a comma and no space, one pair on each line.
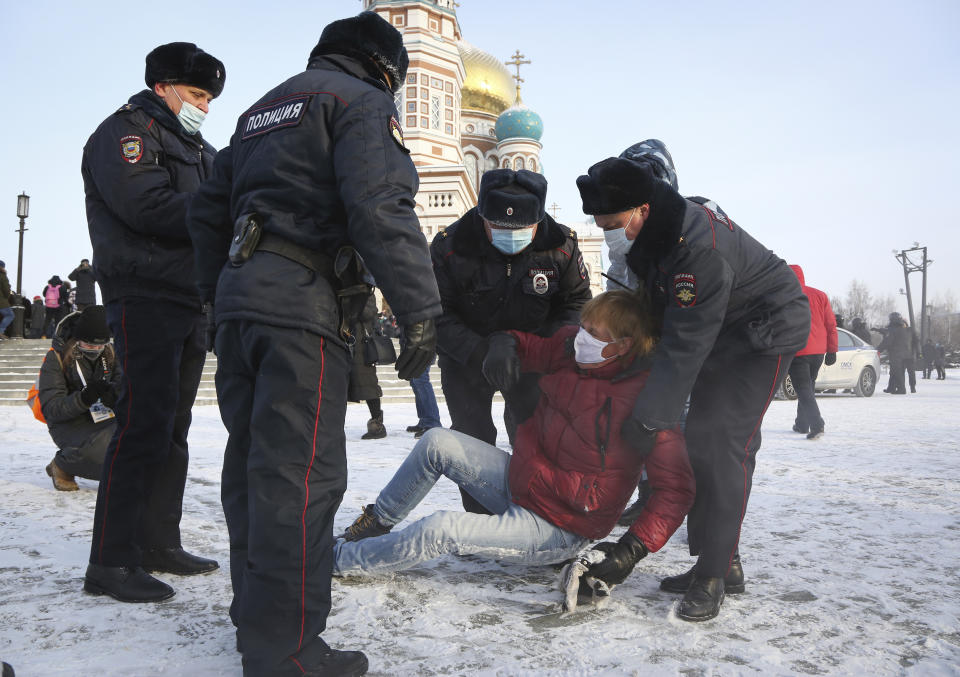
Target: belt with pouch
250,237
346,273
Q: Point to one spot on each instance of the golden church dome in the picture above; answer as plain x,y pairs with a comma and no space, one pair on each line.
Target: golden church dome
487,85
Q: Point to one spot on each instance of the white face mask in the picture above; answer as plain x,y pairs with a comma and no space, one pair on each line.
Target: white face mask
617,244
190,116
587,349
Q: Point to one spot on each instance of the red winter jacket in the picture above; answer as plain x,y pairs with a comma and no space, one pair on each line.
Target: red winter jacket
823,323
570,465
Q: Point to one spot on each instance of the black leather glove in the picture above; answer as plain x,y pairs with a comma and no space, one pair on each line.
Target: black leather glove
638,436
829,358
109,398
501,366
211,328
620,559
94,391
417,354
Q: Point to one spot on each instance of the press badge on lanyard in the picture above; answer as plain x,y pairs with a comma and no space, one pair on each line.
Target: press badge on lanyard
98,410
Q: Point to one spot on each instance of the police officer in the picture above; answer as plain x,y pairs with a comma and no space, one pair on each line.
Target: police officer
504,265
316,165
733,316
140,171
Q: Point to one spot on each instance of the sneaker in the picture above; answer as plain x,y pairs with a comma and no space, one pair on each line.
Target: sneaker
375,429
61,480
365,526
797,428
414,428
815,434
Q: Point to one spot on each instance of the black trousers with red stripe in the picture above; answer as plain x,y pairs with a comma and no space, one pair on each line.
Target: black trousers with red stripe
160,346
283,400
727,405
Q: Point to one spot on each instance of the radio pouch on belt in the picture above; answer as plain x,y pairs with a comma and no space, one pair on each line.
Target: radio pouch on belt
354,286
247,231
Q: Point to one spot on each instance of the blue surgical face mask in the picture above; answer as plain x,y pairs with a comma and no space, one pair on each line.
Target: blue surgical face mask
617,245
511,241
190,116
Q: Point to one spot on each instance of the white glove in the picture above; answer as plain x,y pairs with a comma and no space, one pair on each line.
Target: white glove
570,579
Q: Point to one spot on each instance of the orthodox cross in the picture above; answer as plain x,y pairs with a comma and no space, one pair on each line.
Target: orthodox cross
554,208
517,60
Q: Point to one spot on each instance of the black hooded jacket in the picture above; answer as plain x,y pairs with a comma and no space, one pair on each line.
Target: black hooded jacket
484,290
721,293
140,171
59,388
320,159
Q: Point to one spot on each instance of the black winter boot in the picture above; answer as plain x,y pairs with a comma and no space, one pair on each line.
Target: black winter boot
375,428
177,561
365,526
702,601
319,660
733,583
126,584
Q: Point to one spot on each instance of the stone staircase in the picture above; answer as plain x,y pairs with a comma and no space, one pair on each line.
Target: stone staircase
20,361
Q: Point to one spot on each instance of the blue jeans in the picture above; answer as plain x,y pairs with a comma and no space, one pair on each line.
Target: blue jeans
6,317
511,534
427,410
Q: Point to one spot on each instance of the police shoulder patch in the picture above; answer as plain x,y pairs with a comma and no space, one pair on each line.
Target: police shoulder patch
131,148
685,289
716,213
396,131
270,116
582,267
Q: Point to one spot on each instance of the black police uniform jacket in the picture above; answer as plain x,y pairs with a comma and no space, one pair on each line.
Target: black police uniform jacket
484,290
321,159
140,170
721,294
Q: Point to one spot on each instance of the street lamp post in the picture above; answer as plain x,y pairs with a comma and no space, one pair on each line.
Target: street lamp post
23,211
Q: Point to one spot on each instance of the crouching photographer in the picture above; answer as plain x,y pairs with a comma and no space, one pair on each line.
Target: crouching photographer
78,385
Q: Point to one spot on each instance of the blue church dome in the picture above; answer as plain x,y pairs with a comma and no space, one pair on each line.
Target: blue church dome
519,121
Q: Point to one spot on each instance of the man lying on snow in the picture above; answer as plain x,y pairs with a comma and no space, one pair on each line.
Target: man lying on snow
570,475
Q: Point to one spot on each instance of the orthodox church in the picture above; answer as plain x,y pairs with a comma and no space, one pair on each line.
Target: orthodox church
462,115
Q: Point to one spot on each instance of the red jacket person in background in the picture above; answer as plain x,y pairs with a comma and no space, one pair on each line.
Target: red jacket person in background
821,349
570,475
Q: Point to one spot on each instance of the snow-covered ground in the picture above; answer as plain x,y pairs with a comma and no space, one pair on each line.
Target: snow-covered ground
851,549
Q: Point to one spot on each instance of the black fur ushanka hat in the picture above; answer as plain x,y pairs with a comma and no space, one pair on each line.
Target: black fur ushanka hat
185,63
367,37
615,185
512,199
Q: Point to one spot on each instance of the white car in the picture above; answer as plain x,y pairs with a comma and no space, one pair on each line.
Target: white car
857,369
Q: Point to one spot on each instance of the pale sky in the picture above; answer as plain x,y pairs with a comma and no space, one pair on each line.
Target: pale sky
827,130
